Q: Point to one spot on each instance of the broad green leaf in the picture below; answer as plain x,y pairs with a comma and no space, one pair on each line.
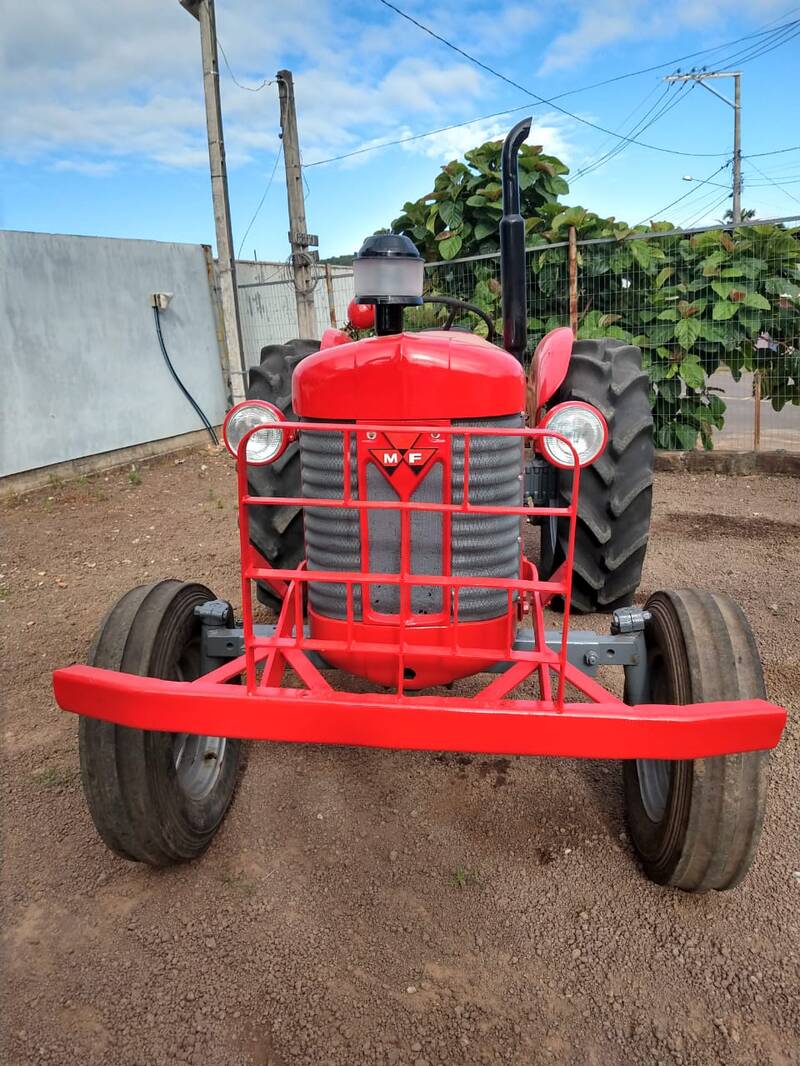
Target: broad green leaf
722,288
687,331
712,264
661,276
483,229
723,310
662,332
670,315
573,216
670,390
476,201
451,214
711,333
642,253
450,247
783,287
692,372
757,301
686,434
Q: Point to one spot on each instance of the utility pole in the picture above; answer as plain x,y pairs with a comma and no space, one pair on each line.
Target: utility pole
299,239
701,77
203,11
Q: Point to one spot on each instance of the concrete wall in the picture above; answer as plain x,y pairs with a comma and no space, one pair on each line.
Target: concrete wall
81,369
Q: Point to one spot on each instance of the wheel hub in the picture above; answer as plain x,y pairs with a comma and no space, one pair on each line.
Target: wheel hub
198,763
655,779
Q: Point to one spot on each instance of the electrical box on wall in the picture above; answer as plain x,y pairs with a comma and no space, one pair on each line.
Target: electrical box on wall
160,300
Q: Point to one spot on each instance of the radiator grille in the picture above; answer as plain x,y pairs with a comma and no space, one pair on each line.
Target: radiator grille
481,545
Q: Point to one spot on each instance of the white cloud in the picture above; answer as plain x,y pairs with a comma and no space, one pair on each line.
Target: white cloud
548,131
91,84
601,23
85,166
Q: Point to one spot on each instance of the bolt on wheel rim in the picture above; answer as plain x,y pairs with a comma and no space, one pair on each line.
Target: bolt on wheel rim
198,763
655,779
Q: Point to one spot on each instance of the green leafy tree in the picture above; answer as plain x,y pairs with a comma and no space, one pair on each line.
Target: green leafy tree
461,215
692,303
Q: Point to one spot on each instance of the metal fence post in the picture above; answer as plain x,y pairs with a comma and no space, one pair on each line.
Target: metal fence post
573,280
331,300
756,410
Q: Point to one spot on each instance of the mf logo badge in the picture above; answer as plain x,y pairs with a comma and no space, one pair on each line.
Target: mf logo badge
401,449
404,457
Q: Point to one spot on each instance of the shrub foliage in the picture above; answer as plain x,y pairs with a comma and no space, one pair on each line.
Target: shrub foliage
692,302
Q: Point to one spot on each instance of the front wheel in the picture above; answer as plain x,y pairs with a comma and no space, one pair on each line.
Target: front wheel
155,797
695,823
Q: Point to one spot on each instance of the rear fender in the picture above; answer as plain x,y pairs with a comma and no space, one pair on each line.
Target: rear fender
332,338
549,366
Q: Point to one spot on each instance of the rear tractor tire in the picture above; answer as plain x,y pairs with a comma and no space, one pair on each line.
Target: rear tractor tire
157,798
695,823
277,532
616,491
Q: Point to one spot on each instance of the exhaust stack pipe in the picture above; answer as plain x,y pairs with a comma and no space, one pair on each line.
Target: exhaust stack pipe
512,247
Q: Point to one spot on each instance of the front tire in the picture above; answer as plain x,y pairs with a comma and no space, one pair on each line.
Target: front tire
154,797
616,493
695,823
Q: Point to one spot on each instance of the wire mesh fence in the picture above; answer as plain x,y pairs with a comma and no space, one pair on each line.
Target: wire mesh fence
268,307
716,313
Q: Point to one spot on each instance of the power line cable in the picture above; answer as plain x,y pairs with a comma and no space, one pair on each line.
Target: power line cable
261,201
784,37
638,129
610,146
764,184
521,107
247,88
685,196
776,38
541,99
705,211
777,184
775,151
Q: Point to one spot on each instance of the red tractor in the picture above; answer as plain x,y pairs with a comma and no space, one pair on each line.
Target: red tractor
384,488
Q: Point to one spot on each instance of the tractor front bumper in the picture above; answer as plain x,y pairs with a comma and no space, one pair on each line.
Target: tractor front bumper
602,727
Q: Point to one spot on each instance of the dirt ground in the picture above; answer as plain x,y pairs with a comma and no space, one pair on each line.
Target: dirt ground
368,907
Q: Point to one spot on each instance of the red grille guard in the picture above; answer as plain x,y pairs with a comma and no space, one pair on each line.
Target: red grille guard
264,708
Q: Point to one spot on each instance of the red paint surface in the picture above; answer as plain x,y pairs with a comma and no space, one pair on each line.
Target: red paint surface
551,362
361,316
263,708
609,730
410,376
331,338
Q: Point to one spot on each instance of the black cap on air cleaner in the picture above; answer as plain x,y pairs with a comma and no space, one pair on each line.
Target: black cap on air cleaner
387,272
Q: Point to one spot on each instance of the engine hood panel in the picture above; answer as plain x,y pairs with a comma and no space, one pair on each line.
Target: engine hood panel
435,374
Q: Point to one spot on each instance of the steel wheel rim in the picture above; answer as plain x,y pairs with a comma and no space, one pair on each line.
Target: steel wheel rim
198,763
197,759
655,781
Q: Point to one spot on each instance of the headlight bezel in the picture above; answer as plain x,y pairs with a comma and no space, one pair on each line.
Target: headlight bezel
233,435
559,454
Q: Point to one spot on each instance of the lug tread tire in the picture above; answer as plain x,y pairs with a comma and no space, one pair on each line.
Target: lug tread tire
616,491
127,774
710,830
277,532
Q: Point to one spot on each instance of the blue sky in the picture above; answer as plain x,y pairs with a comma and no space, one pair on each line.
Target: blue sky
103,130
